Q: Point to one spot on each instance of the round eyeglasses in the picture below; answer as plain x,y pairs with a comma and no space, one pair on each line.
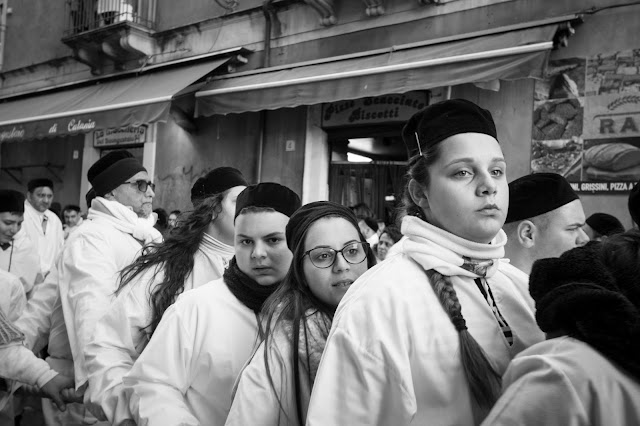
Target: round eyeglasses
143,185
325,257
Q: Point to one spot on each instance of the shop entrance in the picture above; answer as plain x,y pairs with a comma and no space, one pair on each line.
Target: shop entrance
368,165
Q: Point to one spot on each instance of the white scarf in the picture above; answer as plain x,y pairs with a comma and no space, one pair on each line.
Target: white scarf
125,220
211,244
435,248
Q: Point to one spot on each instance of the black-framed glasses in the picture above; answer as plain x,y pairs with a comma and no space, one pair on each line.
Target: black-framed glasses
325,257
143,185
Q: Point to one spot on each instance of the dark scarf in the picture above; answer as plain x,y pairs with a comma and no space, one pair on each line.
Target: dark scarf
246,290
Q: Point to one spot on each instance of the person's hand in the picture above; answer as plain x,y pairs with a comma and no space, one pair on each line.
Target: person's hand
55,386
70,395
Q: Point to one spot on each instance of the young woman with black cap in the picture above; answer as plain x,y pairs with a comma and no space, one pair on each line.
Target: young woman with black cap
423,337
588,371
329,254
186,373
195,253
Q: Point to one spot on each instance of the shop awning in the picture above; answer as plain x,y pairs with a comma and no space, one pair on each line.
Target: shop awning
507,55
135,100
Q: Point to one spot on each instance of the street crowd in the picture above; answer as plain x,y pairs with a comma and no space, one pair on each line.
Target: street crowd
488,302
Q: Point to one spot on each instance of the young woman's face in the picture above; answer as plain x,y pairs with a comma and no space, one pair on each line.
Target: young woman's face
467,193
384,244
331,283
261,247
223,222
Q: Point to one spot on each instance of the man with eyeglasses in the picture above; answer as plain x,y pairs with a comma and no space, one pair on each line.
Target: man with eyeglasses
41,225
119,223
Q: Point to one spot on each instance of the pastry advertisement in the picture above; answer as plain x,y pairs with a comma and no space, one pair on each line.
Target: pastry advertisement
586,123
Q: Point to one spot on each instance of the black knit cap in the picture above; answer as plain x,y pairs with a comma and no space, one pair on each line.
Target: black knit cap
11,201
39,183
306,215
605,224
634,204
268,194
441,120
215,182
113,170
533,195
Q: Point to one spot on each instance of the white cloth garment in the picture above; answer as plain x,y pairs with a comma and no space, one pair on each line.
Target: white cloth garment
393,355
89,267
565,382
12,297
122,333
22,260
255,402
49,244
187,371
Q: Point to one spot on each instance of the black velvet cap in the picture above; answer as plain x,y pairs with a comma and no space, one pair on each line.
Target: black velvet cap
11,201
113,170
441,120
216,181
533,195
39,183
605,224
269,194
634,203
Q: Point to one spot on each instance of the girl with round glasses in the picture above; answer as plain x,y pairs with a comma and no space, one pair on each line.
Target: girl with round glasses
329,254
424,337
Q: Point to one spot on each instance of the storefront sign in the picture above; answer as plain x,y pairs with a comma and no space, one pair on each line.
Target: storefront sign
124,136
374,110
587,122
11,134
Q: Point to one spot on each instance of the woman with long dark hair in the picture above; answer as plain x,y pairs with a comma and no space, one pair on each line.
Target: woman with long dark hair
423,337
329,254
196,252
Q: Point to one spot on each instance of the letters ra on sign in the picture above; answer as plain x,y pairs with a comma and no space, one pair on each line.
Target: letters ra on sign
373,110
123,136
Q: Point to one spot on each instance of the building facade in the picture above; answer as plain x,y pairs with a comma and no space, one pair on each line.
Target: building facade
286,90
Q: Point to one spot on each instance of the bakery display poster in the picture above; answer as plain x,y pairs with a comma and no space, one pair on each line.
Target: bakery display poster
586,123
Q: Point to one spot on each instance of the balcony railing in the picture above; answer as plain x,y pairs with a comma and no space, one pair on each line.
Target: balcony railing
88,15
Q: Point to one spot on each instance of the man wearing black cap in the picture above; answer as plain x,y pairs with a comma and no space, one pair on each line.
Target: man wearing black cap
42,225
600,226
545,219
118,225
18,255
203,341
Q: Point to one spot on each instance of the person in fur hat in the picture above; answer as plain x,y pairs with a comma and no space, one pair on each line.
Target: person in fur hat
588,371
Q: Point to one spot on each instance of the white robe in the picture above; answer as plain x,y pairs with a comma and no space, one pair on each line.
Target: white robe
255,401
49,244
122,333
22,260
89,270
565,382
393,354
187,371
12,297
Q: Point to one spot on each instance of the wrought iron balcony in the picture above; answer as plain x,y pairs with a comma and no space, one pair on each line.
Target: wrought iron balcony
103,32
88,15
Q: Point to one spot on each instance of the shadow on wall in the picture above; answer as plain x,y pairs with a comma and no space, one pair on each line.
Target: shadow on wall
173,190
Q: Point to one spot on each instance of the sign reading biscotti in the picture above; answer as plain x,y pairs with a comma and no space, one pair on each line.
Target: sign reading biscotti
373,110
124,136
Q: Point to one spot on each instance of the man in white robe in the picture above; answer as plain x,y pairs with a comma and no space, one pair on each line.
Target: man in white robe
118,225
17,254
42,225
